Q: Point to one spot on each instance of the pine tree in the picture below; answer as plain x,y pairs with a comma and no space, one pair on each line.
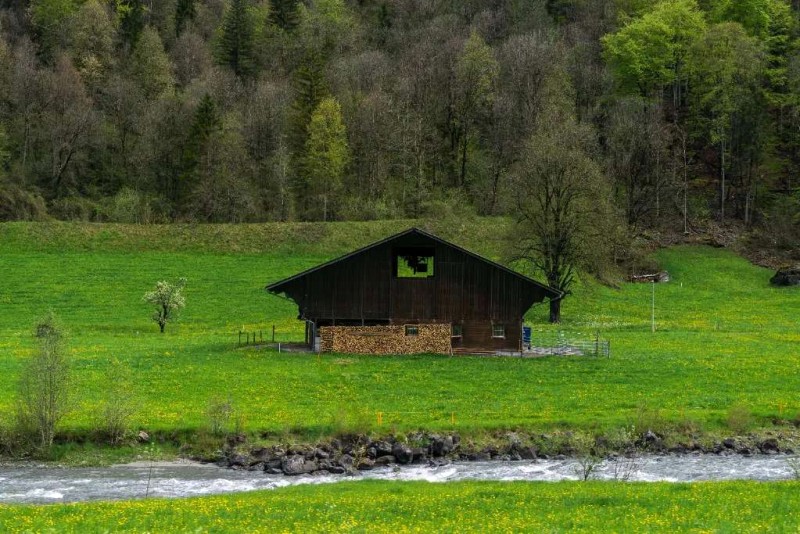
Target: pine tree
185,11
283,13
206,123
131,15
235,46
310,89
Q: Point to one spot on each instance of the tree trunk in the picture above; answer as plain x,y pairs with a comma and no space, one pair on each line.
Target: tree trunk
555,311
161,326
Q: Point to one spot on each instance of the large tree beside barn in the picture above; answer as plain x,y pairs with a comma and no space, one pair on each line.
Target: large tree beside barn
564,216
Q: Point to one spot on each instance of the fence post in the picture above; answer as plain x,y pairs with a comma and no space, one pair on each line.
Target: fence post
380,418
273,333
240,339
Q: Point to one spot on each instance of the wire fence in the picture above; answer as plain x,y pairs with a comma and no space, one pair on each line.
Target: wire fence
547,343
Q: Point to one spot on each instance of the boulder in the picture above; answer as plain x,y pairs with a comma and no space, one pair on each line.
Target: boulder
419,454
382,448
238,460
729,443
770,446
786,277
441,446
143,436
297,465
402,453
365,464
385,460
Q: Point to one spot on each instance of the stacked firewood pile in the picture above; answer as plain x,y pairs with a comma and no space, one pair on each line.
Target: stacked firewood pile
386,339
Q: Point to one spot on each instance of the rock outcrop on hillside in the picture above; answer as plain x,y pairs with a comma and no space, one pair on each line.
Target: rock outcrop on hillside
786,277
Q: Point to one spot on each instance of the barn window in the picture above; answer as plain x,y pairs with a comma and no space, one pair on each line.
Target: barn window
498,330
412,330
457,330
413,262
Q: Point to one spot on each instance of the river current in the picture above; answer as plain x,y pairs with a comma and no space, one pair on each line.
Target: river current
187,479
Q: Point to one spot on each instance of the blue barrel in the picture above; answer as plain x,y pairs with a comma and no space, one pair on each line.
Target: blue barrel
526,336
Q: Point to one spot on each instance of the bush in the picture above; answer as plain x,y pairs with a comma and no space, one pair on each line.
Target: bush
740,419
120,402
44,388
17,204
76,208
132,207
220,413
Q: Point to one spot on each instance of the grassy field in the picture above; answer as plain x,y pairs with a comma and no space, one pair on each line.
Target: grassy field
453,507
724,337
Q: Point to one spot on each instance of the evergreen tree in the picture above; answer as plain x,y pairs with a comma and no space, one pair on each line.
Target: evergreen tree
283,13
310,88
206,123
235,46
131,15
185,11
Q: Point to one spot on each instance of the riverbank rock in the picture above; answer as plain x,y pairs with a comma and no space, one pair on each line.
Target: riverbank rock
786,277
365,464
441,446
298,465
402,453
769,446
385,460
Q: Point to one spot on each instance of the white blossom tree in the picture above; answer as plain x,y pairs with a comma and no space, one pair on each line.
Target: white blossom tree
168,299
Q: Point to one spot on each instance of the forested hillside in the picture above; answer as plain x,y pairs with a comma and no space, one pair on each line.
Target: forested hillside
263,110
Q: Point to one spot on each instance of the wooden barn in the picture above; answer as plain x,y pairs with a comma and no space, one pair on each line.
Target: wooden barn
409,293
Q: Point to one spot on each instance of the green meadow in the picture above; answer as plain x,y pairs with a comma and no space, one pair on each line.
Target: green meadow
727,507
724,337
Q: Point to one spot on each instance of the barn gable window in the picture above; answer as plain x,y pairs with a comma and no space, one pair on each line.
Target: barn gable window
498,330
457,330
412,330
413,262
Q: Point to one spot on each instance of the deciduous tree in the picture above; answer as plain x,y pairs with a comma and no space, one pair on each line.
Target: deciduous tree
168,300
563,216
326,156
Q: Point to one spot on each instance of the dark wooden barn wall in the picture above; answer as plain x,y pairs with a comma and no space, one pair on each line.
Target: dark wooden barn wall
363,287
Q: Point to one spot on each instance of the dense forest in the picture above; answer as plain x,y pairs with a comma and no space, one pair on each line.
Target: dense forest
655,112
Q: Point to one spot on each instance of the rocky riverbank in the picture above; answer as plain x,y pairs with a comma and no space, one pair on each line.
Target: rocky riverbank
351,454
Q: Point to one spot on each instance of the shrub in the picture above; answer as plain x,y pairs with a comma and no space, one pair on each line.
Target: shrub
44,388
740,419
17,204
219,415
120,402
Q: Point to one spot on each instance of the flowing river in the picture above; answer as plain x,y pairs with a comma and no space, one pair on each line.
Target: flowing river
187,479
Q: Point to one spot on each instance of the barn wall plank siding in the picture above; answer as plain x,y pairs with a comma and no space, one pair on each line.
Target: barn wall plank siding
448,286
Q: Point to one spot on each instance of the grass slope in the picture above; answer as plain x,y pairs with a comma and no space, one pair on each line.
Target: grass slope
724,336
371,506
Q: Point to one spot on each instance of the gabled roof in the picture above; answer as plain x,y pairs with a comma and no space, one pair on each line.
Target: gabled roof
276,287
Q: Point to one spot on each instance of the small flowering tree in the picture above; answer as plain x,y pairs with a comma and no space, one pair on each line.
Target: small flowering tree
168,300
